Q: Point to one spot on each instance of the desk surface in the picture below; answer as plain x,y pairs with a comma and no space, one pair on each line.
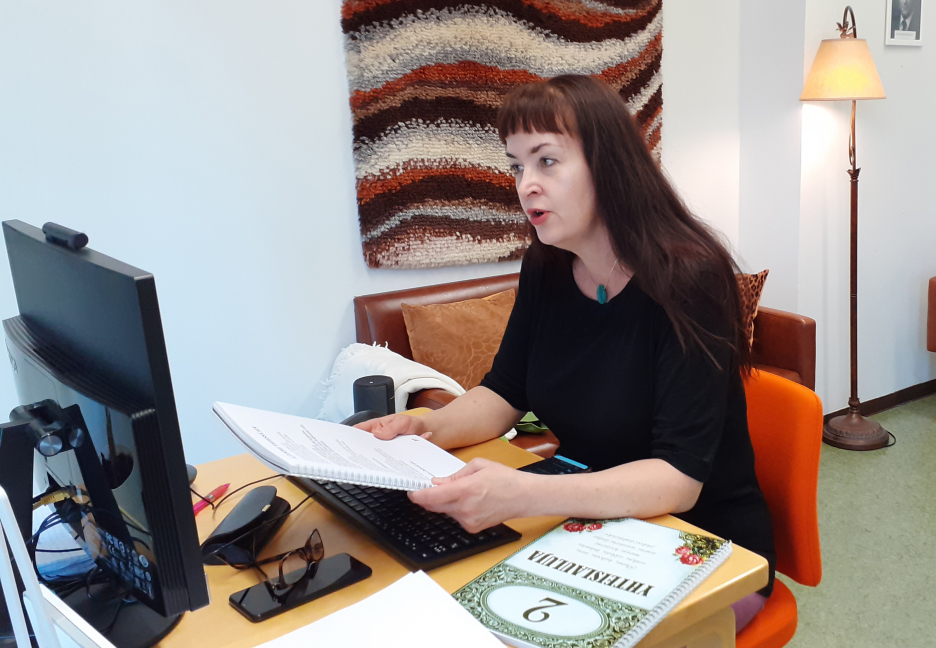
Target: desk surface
220,625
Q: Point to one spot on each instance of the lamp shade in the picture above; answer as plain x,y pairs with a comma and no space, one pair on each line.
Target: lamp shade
843,69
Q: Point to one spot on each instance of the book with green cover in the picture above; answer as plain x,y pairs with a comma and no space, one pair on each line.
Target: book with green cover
591,583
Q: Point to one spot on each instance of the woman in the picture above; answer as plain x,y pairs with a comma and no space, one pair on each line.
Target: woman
626,340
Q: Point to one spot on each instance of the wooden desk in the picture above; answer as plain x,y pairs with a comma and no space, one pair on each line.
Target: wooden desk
703,619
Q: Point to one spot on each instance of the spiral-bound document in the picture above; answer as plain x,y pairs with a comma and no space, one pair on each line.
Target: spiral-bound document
303,447
591,583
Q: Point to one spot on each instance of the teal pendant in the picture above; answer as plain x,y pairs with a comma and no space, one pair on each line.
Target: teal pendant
602,294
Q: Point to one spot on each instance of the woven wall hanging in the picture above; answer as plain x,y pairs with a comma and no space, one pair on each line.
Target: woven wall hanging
426,79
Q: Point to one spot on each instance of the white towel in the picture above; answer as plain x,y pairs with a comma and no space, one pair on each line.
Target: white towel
359,360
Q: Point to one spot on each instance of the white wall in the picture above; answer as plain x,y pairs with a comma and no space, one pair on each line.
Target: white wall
700,108
771,80
210,143
897,229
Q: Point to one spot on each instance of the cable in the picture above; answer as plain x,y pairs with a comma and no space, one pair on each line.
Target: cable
56,496
61,586
64,588
236,490
202,498
93,509
120,606
108,580
59,550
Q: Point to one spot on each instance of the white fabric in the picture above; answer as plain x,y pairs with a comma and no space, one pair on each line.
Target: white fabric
359,360
38,615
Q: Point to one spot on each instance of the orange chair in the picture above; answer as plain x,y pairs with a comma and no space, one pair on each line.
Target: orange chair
785,420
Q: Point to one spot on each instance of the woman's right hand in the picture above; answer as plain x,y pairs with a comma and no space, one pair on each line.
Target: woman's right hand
387,427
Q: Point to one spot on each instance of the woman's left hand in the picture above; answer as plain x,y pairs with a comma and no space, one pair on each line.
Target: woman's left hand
478,496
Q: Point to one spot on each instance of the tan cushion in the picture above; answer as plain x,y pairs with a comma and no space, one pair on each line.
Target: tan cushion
751,286
459,339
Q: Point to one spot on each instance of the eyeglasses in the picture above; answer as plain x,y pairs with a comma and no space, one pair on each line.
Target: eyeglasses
295,567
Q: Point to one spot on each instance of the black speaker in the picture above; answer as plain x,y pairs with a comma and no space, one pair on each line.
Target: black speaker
374,393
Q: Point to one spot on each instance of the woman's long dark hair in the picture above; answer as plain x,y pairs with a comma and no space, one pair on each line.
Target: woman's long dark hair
675,257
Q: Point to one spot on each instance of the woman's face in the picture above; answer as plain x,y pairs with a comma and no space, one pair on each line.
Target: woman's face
555,188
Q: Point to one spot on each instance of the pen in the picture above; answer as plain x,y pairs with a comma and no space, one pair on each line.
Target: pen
211,497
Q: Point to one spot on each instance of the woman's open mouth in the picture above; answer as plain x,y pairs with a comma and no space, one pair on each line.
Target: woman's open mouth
537,216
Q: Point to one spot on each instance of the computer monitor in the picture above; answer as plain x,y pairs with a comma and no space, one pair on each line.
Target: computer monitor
92,376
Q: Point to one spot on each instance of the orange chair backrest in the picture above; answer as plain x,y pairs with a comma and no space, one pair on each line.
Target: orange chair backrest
785,420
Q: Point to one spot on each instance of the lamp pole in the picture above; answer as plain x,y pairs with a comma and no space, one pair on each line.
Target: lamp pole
852,431
853,402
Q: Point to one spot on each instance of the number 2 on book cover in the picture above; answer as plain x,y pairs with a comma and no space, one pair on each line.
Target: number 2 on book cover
541,610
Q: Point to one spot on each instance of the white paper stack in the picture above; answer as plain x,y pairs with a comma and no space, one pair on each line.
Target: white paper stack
414,612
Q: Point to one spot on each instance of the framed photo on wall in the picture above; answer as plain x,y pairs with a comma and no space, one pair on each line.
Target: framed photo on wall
904,20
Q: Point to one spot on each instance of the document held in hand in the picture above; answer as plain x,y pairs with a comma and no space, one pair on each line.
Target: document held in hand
325,451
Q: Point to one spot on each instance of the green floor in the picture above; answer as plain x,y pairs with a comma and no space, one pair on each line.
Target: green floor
877,521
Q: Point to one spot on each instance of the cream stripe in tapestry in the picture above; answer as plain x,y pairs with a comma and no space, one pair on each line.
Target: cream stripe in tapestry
426,79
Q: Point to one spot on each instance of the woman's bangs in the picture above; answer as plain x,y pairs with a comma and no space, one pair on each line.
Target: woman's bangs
534,108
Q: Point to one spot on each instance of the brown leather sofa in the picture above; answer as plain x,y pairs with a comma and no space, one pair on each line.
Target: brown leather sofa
784,343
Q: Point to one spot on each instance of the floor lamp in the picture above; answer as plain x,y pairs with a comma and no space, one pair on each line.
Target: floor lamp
844,71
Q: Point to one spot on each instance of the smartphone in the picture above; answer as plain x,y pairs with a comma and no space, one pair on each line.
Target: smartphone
257,604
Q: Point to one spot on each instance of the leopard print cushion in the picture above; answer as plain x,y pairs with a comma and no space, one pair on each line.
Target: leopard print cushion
751,286
459,339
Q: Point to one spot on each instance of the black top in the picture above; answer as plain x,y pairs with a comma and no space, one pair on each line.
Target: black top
614,385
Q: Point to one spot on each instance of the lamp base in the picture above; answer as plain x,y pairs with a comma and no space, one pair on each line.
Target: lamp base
852,431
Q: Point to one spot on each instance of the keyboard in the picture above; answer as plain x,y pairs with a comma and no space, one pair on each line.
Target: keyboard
418,538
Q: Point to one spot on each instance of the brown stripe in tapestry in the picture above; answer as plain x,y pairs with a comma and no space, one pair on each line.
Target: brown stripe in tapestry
375,186
653,109
626,74
425,238
653,138
465,74
428,224
463,91
574,22
448,187
417,107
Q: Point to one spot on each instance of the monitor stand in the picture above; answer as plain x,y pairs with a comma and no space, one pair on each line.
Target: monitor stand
136,625
126,625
